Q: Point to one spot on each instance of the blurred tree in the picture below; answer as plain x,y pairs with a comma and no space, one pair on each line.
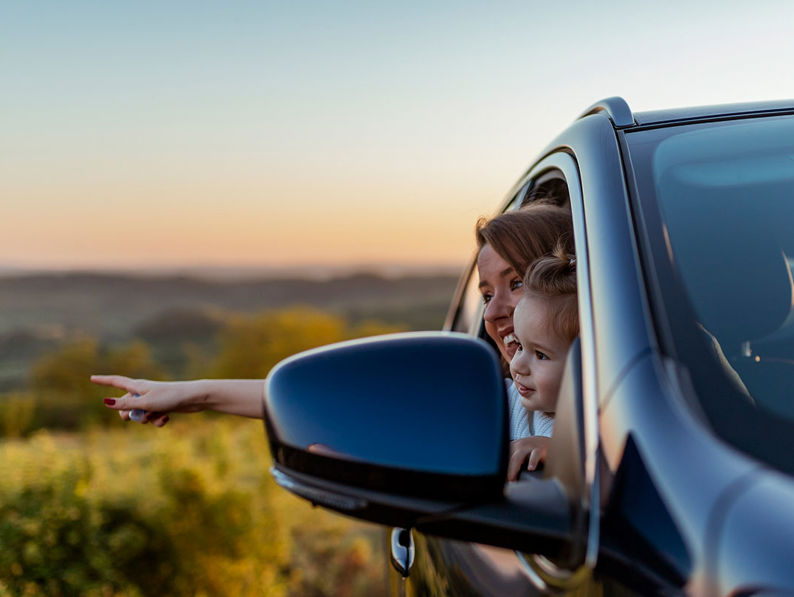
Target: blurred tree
250,346
64,398
67,369
133,359
61,397
373,327
181,338
16,414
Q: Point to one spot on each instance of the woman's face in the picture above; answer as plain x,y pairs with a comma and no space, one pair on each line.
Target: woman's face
500,286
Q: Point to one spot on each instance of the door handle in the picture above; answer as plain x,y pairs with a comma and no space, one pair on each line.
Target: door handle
402,551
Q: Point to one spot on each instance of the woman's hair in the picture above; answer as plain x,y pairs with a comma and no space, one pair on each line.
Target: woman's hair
554,276
523,235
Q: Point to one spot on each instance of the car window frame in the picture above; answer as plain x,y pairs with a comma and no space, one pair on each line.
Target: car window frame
563,162
558,164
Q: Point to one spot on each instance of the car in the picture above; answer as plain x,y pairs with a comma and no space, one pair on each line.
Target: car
671,463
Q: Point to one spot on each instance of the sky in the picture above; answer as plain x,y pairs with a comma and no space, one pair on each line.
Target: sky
165,134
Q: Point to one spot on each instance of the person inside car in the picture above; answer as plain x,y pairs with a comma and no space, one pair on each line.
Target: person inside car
546,322
508,244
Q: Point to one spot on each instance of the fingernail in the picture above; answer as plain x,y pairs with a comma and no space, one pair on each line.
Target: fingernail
110,401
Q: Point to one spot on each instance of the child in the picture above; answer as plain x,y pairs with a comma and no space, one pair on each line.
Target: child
545,323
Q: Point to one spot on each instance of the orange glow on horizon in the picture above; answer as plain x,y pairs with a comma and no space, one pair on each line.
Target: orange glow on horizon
237,227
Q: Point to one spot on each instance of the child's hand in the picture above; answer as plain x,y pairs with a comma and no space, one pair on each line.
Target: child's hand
532,448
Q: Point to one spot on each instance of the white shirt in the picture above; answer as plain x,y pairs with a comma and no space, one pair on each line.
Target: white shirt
542,424
519,421
521,425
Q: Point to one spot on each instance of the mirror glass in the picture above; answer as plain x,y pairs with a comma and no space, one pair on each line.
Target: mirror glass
425,402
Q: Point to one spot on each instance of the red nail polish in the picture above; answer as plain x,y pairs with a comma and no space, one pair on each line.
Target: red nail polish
110,401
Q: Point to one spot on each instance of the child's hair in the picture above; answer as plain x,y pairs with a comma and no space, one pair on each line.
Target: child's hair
554,276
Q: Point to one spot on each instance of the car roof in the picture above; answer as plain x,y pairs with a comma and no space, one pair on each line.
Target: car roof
618,111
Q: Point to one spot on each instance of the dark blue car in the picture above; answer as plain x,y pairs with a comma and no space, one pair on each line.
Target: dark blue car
672,460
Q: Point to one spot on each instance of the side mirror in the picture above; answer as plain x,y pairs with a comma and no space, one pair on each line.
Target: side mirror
409,414
410,430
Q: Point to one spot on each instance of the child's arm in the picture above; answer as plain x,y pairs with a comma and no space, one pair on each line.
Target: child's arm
533,448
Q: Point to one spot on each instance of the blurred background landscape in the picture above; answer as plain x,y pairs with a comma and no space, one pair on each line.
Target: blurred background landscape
92,505
180,319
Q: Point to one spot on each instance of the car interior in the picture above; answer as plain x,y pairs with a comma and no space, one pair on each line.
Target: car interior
727,218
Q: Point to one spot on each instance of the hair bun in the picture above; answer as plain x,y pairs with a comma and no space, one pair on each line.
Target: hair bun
553,274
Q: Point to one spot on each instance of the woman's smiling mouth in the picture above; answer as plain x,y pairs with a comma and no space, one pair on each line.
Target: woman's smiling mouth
510,343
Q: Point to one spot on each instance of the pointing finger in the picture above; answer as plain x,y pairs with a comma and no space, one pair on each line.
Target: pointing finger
116,381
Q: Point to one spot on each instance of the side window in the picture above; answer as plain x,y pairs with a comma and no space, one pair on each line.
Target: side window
467,316
548,186
469,312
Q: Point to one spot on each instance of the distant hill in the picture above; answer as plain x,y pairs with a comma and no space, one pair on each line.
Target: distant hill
39,312
108,304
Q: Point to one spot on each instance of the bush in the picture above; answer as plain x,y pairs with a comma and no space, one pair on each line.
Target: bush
187,510
62,396
16,414
251,345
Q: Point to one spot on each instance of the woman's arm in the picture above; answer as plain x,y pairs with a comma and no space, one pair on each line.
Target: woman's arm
232,396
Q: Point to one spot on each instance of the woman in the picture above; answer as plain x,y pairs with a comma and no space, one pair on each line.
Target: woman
507,245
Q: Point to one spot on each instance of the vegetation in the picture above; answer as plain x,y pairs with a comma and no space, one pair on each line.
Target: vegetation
187,510
90,505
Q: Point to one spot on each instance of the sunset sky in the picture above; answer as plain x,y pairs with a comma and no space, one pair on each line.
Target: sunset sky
261,133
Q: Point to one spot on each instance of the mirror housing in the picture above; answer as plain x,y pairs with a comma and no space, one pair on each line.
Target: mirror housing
418,414
411,430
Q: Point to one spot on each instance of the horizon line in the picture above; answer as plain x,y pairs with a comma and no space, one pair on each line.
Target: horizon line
231,272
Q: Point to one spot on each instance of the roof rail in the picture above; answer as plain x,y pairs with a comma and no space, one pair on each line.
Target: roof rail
616,109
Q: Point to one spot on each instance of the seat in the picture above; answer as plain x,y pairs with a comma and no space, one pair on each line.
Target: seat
740,285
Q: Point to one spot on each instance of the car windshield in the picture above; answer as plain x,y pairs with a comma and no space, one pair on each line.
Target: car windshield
717,201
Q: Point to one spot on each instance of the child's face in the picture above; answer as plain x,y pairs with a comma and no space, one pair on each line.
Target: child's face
539,360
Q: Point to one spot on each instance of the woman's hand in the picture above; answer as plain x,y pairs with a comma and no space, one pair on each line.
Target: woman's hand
241,397
157,398
529,450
